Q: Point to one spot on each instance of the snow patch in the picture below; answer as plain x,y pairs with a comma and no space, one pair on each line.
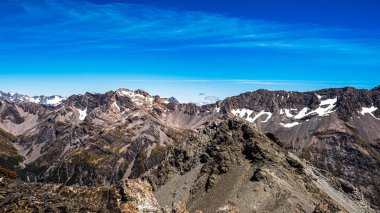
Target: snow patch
330,102
116,106
33,100
330,105
263,113
325,108
369,110
302,113
242,112
82,114
55,100
245,113
288,114
290,125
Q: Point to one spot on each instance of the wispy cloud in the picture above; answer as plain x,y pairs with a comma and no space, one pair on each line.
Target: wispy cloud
254,82
80,25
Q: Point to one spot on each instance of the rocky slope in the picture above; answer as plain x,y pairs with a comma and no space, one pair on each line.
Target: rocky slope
335,129
231,163
227,167
198,155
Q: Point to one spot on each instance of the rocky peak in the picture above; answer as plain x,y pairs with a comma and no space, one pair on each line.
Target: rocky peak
142,92
125,91
173,100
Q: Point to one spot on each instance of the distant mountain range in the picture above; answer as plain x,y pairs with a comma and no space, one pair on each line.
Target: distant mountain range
53,100
274,151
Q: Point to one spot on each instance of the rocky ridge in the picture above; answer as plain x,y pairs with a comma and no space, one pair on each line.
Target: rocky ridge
101,139
335,129
231,163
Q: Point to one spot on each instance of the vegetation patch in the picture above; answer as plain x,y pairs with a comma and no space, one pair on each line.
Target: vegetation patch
7,173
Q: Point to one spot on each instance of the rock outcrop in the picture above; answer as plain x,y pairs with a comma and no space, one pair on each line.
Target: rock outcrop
126,196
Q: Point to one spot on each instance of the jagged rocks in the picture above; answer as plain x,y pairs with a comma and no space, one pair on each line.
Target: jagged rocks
258,175
210,182
137,196
253,152
274,138
179,207
295,164
127,196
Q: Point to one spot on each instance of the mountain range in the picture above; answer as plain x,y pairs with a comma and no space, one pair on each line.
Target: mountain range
128,151
53,100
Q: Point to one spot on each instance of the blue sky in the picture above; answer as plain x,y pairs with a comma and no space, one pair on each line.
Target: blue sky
187,48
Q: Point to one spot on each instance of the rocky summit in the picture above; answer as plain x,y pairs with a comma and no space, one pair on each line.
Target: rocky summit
128,151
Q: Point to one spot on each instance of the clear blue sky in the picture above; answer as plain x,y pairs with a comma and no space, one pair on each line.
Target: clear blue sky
187,49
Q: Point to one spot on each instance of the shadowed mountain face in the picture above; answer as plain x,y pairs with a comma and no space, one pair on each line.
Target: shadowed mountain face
271,151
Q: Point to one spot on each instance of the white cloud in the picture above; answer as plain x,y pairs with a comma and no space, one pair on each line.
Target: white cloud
144,28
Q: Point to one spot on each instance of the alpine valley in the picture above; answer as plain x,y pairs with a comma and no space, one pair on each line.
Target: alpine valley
128,151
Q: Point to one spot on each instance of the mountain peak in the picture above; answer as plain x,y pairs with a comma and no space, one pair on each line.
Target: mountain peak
173,100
